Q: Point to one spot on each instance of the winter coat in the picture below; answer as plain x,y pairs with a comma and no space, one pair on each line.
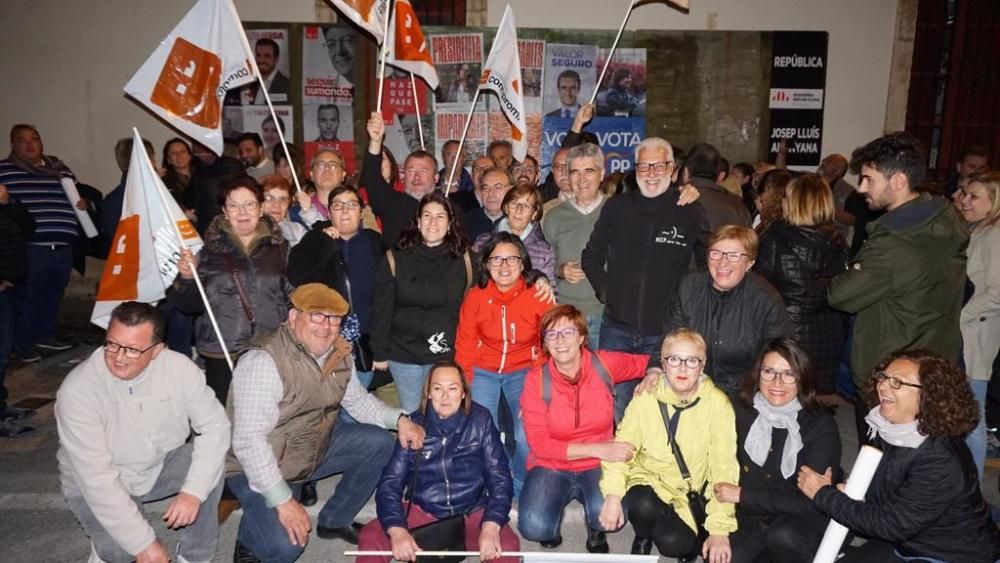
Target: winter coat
906,284
543,258
706,435
260,269
722,207
395,209
981,315
734,323
578,411
16,227
498,331
800,262
463,467
925,501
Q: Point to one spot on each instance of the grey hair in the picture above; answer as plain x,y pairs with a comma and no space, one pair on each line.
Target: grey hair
326,150
655,143
586,150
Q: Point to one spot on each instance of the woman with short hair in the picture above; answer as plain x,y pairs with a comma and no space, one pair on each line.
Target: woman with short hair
277,200
522,212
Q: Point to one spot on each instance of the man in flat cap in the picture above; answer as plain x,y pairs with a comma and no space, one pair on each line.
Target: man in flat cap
285,399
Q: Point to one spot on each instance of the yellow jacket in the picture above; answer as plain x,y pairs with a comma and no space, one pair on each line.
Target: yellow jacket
706,434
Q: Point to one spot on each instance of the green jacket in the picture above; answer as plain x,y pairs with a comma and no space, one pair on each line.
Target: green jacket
906,284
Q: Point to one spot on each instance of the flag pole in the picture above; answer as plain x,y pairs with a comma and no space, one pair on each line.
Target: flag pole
611,54
385,55
194,270
416,104
461,143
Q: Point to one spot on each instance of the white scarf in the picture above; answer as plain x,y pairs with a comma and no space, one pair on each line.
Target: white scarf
504,227
769,417
902,435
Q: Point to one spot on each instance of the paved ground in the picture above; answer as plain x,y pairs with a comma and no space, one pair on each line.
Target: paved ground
37,526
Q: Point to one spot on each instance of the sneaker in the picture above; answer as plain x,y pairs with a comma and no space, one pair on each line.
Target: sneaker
55,345
28,357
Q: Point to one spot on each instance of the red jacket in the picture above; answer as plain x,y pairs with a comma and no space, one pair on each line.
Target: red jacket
498,331
579,411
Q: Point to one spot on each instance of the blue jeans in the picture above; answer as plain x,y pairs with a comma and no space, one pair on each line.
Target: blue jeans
976,440
409,380
620,338
49,268
486,389
8,312
594,331
365,379
545,496
359,451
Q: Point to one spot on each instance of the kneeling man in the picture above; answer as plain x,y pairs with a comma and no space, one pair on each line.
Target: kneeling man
285,400
124,416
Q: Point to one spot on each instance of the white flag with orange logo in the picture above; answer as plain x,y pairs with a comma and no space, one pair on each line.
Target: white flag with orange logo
186,78
408,48
502,75
142,262
368,14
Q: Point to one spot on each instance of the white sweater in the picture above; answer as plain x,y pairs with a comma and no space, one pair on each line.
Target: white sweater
115,434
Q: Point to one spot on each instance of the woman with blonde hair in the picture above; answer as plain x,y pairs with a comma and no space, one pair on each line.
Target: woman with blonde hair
799,255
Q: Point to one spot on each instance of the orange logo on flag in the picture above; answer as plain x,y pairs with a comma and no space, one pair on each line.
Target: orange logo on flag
186,86
410,42
187,229
120,280
363,7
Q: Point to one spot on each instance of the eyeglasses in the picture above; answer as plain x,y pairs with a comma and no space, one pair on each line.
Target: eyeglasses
272,198
497,261
131,353
553,334
348,205
323,165
659,167
233,207
519,207
769,374
675,361
526,169
321,318
561,168
894,382
716,255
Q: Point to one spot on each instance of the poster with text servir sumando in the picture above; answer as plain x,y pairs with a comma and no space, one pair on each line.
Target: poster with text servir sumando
328,64
796,99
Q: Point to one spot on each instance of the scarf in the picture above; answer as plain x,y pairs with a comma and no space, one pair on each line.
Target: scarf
901,435
769,417
51,167
504,227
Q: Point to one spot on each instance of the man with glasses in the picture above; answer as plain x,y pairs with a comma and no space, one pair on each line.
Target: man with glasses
286,398
721,206
641,247
327,173
526,171
556,185
462,181
124,416
495,184
472,200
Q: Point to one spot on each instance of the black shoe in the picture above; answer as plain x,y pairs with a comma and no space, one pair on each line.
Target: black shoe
642,546
55,345
243,555
26,357
349,533
687,559
307,496
16,413
11,428
552,543
597,541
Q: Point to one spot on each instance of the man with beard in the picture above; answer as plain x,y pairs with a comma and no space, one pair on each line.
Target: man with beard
251,150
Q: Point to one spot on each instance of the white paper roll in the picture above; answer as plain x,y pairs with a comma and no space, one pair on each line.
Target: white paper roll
856,487
69,186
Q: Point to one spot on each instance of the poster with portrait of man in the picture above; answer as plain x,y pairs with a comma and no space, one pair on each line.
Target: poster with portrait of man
328,64
623,91
270,51
257,119
329,125
570,78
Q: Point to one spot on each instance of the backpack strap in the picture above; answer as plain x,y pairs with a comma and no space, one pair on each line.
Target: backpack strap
598,366
392,262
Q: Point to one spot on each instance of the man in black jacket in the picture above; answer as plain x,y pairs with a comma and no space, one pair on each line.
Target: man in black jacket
16,225
642,245
721,206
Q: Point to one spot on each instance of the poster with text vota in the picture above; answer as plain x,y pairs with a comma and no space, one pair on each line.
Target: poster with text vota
448,125
270,51
458,59
569,79
237,120
532,55
328,90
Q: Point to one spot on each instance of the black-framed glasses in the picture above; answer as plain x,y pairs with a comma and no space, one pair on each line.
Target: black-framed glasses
716,255
348,205
520,207
321,318
769,374
497,261
249,206
113,348
659,167
553,334
894,382
676,361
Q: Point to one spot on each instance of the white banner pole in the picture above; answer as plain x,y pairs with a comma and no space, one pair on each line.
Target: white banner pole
611,54
461,143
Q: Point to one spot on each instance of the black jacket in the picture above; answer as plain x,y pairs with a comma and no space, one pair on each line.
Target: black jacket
395,209
638,253
202,194
261,274
721,206
416,310
800,262
765,491
16,226
734,323
548,189
925,501
460,471
477,223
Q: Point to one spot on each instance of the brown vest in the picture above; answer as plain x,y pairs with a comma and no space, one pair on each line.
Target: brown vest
309,406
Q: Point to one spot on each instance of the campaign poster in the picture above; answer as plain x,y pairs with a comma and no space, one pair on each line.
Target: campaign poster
257,119
328,64
270,51
798,83
617,138
458,59
329,125
622,93
570,78
449,126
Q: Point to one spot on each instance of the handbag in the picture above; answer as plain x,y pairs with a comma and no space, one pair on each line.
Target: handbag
697,503
446,534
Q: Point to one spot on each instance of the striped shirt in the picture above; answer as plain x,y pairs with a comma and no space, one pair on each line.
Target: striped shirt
55,219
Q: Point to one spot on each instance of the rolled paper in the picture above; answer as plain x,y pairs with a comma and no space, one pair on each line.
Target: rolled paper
856,487
69,186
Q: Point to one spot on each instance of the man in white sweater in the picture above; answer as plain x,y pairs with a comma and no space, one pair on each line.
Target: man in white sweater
124,416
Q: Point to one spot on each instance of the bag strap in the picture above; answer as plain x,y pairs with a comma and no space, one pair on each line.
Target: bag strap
671,423
413,482
235,273
598,366
392,262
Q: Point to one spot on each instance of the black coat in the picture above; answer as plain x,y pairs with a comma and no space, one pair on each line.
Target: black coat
16,227
925,501
395,209
459,472
800,262
735,323
319,258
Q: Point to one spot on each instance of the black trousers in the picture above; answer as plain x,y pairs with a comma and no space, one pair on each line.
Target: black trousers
875,551
218,376
654,519
786,538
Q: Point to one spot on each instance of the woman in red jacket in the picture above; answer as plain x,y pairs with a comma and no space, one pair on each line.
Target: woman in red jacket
497,338
567,410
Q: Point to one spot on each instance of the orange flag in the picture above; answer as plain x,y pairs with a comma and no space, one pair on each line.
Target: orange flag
408,48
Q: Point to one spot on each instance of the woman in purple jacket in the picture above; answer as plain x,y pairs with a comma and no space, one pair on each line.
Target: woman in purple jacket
522,211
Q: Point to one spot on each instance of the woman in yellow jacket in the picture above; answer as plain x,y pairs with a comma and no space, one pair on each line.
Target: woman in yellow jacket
651,485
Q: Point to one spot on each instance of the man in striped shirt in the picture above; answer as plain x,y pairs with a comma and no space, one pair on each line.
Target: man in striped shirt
34,180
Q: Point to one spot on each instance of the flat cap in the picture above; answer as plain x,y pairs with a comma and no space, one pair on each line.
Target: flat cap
314,297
